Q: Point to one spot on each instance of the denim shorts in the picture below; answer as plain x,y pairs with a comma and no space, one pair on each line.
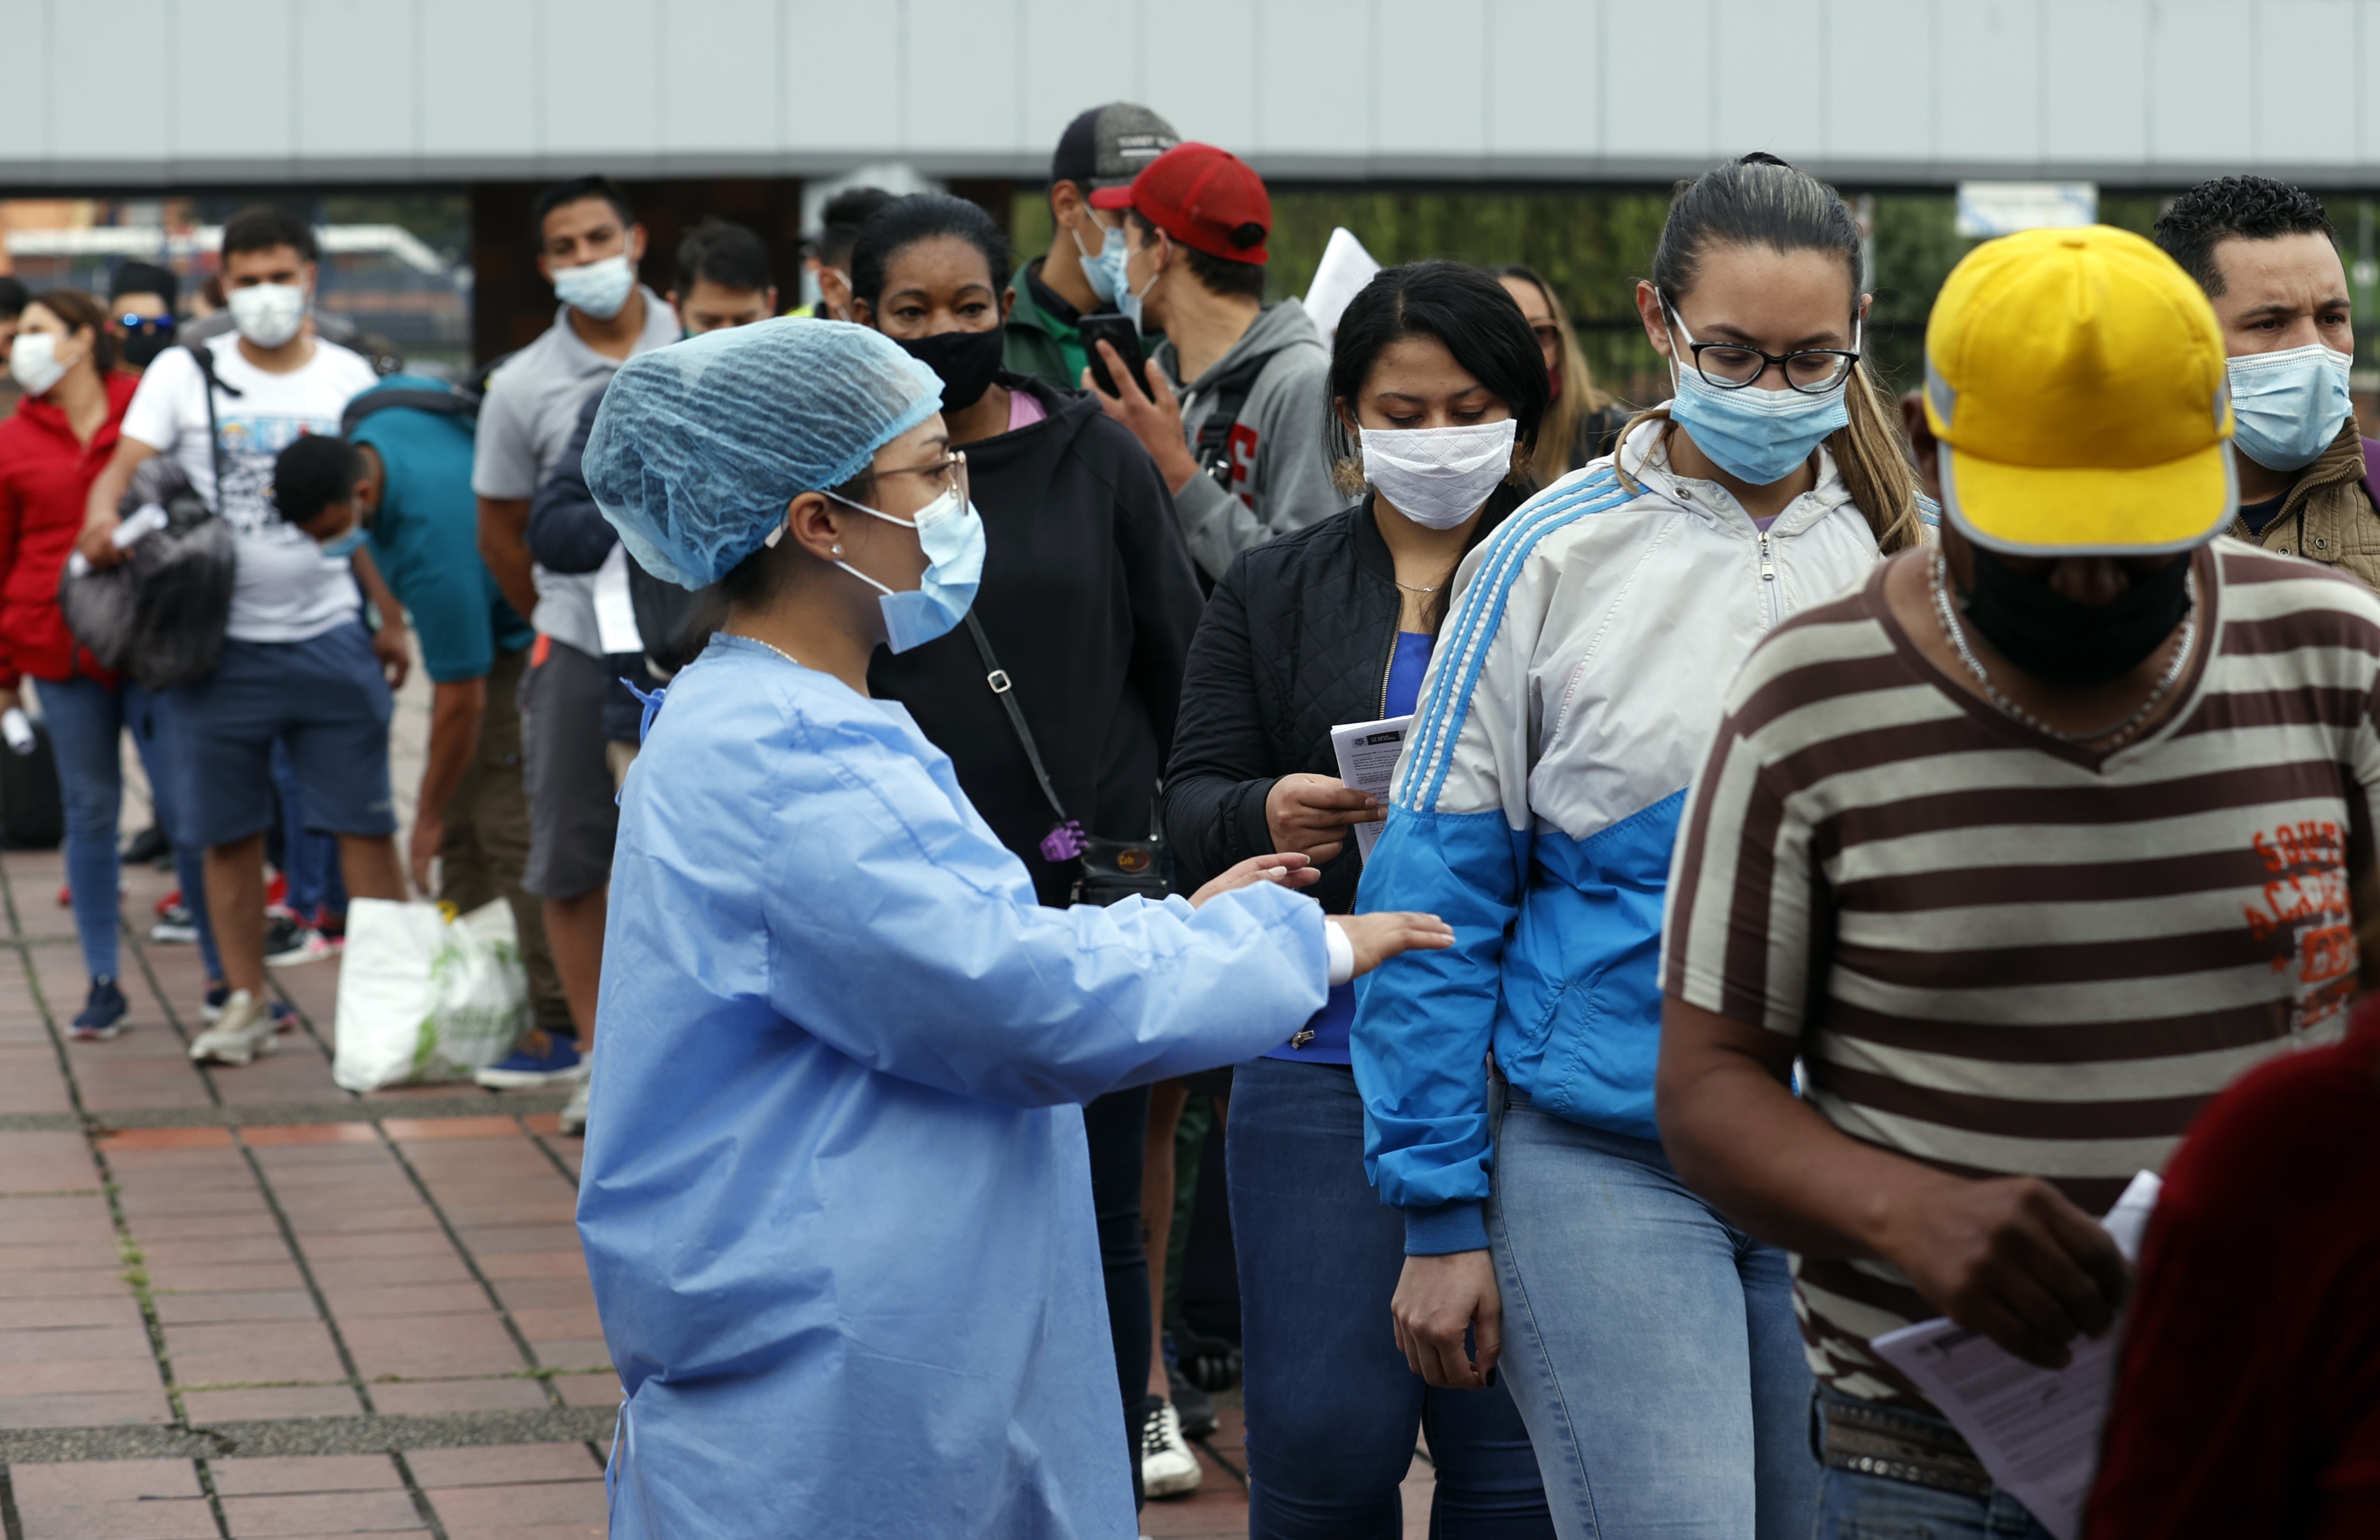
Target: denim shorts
325,698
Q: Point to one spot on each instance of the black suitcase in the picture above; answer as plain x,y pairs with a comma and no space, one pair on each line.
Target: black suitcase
33,811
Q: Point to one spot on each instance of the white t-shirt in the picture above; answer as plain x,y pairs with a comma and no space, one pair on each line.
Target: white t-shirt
286,591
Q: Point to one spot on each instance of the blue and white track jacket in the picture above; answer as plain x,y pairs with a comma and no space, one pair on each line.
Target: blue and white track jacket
1572,696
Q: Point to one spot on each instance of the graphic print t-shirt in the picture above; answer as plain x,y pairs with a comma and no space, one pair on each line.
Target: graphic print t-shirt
288,590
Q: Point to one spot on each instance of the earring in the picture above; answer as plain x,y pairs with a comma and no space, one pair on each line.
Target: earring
837,550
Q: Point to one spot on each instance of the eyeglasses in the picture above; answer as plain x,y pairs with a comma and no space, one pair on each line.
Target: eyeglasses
1731,366
147,325
942,475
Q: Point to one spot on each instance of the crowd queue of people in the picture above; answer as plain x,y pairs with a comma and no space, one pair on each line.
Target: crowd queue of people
1839,842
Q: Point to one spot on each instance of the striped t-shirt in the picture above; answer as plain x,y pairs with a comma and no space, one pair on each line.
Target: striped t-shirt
2002,954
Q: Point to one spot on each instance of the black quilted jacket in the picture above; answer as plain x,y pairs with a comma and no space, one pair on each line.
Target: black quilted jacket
1296,640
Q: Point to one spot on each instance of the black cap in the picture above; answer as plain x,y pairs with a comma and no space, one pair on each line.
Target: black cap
144,278
1107,146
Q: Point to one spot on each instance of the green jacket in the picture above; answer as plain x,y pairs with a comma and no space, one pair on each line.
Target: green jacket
1039,344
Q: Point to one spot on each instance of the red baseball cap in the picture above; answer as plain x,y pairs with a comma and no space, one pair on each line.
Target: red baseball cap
1207,199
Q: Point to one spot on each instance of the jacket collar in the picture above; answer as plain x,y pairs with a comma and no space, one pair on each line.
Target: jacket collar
1371,551
2337,466
1644,458
51,420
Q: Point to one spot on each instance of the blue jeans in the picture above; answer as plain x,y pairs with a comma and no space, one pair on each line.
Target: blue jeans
1651,1346
1853,1506
1333,1408
308,860
86,721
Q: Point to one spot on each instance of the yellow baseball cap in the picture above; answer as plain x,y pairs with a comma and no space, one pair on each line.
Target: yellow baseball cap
2077,380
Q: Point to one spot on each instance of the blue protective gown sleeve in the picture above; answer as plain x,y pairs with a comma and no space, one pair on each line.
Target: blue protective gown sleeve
925,960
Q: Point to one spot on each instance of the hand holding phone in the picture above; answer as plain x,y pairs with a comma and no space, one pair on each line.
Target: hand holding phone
1118,332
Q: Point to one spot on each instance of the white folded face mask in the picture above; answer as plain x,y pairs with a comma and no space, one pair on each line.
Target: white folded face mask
1438,477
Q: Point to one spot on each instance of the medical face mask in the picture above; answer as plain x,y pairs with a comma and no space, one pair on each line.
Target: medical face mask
2287,407
1756,435
1104,271
2065,642
965,360
268,314
33,360
341,546
1125,299
1438,477
598,288
951,533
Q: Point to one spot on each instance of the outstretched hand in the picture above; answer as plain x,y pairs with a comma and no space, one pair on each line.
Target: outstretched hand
1377,937
1290,869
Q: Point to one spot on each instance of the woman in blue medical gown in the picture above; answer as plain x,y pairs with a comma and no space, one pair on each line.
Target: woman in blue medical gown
836,1199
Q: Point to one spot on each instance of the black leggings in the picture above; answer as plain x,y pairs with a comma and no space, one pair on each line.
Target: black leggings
1114,1124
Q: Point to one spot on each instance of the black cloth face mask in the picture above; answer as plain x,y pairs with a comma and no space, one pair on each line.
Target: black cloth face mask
2061,641
965,360
143,348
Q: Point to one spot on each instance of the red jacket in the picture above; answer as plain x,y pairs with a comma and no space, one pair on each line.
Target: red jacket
2249,1401
44,478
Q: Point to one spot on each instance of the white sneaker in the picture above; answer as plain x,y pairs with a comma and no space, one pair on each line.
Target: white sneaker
1167,1469
244,1032
573,1117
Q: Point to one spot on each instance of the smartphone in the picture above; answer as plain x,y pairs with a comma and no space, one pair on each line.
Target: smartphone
1117,331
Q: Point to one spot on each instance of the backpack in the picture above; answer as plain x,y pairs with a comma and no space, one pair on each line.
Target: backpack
454,401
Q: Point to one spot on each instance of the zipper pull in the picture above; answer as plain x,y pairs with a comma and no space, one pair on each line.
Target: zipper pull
1767,569
1304,1035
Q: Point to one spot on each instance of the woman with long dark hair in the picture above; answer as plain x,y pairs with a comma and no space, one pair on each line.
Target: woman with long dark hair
1650,1345
1436,394
1087,606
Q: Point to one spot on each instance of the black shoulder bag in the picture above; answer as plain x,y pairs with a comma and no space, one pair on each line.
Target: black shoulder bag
1110,869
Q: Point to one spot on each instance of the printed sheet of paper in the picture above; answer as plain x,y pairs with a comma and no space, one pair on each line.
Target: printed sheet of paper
1369,752
615,614
2036,1430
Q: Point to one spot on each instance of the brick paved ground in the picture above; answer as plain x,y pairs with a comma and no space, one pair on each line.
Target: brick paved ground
241,1302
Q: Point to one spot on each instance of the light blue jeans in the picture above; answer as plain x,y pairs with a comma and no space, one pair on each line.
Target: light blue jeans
87,724
1651,1346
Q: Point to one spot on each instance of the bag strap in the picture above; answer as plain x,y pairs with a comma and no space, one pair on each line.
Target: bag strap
205,355
1232,393
1002,687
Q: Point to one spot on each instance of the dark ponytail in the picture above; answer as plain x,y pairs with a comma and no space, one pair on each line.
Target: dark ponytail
1760,201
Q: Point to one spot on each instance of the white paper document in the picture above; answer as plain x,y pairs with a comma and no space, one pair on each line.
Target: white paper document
615,614
1367,754
2036,1430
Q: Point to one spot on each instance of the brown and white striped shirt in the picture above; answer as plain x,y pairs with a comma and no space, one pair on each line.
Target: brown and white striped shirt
2002,954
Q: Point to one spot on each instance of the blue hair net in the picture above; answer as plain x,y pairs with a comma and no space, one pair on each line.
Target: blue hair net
698,446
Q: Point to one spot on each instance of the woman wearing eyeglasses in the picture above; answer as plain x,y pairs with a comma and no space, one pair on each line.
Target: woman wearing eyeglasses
1583,423
1651,1346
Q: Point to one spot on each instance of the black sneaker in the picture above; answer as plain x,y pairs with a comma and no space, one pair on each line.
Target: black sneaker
175,923
1193,1406
288,942
148,846
103,1013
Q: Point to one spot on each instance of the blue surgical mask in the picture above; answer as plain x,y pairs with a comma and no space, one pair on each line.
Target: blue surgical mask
2287,407
951,533
598,288
1756,435
1104,271
339,547
1125,299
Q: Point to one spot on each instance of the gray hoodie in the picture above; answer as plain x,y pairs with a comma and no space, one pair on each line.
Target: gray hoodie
1274,476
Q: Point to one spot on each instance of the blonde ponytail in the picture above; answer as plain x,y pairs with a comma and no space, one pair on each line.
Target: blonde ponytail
1874,459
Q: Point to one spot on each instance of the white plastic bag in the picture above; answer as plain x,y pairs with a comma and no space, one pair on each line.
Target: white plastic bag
424,997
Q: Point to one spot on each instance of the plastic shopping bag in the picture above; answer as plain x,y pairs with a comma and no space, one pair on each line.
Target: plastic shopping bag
423,997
